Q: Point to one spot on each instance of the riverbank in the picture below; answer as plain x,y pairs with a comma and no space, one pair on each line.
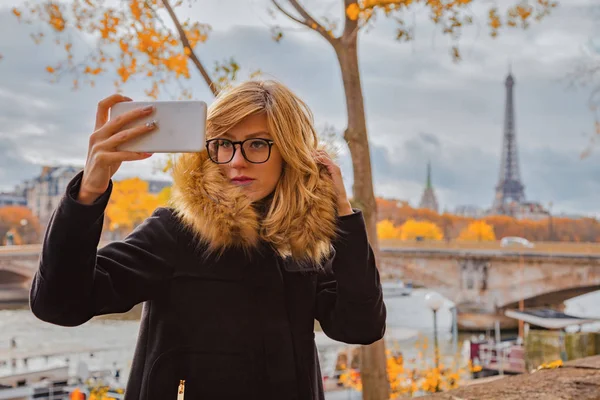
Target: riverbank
578,379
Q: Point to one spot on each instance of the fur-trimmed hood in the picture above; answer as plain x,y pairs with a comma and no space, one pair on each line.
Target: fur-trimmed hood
221,216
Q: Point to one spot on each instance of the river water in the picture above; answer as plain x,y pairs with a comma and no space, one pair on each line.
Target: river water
409,320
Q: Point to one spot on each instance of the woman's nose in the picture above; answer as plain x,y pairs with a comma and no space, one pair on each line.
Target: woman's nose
238,159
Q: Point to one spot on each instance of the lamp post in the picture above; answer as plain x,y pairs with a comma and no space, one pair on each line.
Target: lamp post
24,223
505,242
434,301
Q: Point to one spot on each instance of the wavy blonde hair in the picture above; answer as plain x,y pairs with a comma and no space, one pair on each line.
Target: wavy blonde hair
300,218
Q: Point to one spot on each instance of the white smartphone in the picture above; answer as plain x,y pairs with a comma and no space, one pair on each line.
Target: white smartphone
181,126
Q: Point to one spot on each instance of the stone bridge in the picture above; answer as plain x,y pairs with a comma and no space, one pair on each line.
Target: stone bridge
482,283
479,281
17,267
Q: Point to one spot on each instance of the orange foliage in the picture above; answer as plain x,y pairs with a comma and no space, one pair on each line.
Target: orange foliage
412,377
451,15
131,203
423,229
478,231
548,229
147,46
387,230
21,223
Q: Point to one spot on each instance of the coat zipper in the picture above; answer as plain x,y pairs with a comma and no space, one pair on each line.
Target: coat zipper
181,390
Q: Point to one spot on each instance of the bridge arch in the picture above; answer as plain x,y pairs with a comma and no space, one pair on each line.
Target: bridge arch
555,297
11,277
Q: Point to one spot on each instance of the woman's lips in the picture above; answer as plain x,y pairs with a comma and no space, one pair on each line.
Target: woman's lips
242,181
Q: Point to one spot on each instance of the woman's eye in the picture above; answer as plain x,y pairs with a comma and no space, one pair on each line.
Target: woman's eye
257,144
224,143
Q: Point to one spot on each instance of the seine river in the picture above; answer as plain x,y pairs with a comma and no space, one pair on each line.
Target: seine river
409,320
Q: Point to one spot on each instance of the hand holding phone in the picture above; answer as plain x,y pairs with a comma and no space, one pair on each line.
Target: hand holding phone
103,159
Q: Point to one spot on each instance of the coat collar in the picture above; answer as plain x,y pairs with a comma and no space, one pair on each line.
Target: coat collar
220,216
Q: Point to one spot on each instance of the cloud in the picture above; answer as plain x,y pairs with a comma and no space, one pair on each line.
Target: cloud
14,168
420,105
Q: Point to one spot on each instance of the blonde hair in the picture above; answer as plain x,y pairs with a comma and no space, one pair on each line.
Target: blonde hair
300,219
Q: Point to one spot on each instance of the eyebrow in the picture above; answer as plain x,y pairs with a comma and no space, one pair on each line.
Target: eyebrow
250,136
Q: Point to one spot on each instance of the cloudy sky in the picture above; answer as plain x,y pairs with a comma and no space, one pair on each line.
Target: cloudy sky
420,105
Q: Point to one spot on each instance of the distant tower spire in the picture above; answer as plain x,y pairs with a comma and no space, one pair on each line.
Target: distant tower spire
428,199
509,188
428,183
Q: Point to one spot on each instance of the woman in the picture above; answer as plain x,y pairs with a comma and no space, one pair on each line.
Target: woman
260,241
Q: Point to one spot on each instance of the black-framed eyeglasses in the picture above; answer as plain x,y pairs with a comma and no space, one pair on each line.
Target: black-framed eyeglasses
254,150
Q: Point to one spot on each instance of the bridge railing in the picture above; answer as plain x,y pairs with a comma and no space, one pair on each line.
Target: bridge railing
542,247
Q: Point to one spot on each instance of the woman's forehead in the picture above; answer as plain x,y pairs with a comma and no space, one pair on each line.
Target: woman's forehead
240,135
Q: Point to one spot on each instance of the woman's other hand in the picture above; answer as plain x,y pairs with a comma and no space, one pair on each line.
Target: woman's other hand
344,207
103,159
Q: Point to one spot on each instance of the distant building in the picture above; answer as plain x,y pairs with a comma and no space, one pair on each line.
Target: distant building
45,191
428,199
155,186
469,211
12,199
527,210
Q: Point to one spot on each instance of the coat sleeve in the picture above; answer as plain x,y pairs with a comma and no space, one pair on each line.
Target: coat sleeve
76,281
350,305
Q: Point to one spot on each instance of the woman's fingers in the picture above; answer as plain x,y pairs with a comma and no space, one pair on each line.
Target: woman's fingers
123,136
116,124
104,106
111,157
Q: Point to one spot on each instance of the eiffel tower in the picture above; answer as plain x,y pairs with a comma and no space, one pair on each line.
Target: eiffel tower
510,189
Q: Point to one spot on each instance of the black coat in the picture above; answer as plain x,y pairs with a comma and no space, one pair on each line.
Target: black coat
239,326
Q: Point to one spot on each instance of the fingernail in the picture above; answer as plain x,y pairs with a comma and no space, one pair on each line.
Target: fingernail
151,124
148,108
146,154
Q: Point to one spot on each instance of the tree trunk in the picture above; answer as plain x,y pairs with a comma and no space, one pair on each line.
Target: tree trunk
373,359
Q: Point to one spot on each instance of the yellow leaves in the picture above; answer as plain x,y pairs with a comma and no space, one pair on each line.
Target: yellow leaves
50,70
136,9
144,44
413,229
148,41
197,33
108,25
92,71
550,365
55,15
387,230
125,71
478,231
178,64
123,46
153,92
352,11
494,21
130,204
409,378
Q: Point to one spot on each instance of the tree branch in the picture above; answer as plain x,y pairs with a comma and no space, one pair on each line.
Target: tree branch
350,27
308,20
287,14
186,45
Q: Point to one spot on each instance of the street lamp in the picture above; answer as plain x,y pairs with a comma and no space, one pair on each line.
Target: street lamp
23,223
505,242
434,301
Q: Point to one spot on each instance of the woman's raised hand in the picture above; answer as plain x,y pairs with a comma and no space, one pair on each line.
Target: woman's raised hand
103,159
